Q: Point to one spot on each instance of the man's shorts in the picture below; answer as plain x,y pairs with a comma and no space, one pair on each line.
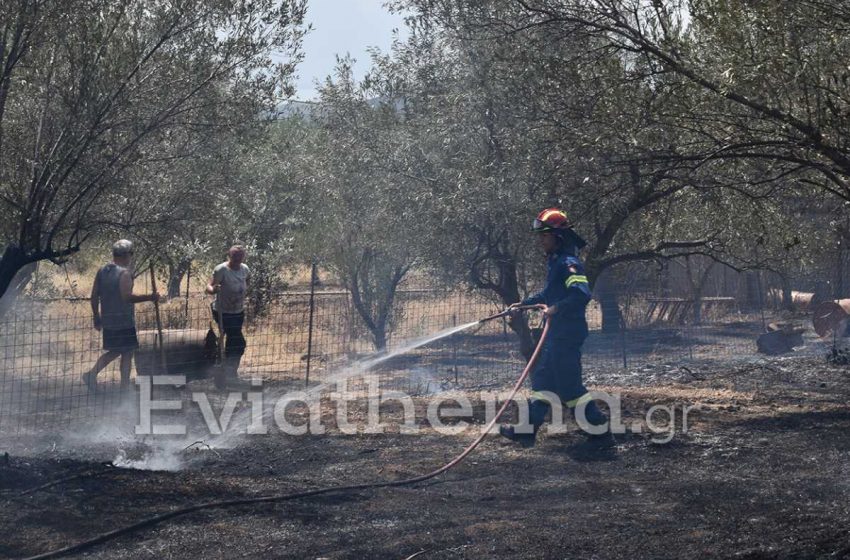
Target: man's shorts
120,340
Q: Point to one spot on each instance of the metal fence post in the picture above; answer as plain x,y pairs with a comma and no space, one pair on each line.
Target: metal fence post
454,346
188,283
690,335
310,324
623,342
761,301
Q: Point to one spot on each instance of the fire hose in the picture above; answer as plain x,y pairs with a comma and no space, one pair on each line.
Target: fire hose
157,519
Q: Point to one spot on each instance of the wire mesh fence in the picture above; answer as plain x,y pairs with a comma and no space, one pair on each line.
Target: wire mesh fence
46,347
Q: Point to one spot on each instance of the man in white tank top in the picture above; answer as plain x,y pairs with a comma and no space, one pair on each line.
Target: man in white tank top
229,283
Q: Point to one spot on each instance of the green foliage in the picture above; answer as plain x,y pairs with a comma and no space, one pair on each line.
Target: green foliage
700,131
99,100
358,212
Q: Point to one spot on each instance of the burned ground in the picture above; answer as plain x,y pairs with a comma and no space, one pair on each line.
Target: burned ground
763,472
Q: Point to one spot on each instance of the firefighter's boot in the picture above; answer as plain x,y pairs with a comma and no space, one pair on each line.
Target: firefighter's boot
595,417
537,411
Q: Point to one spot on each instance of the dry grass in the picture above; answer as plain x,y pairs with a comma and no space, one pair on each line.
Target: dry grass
46,346
56,339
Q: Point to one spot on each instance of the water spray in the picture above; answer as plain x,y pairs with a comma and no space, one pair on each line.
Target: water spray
157,519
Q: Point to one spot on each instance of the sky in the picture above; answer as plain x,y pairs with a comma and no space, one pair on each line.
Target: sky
340,27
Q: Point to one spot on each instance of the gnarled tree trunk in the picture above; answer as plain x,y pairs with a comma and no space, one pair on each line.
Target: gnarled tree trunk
373,287
16,268
607,293
787,297
500,277
176,272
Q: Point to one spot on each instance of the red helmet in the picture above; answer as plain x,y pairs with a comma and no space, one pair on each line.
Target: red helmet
551,220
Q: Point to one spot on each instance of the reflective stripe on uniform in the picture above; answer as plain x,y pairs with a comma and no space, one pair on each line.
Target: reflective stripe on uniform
541,396
576,279
580,400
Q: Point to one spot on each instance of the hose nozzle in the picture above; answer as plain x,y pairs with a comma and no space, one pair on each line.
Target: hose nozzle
510,310
498,315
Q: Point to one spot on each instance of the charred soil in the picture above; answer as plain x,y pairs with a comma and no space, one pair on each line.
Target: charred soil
763,472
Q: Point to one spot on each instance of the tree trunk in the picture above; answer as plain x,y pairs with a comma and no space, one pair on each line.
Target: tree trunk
697,285
754,298
373,298
607,292
15,273
379,338
787,298
697,310
506,287
664,279
510,294
838,274
175,276
696,295
385,308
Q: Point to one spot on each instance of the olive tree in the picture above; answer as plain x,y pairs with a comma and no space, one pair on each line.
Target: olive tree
91,89
359,217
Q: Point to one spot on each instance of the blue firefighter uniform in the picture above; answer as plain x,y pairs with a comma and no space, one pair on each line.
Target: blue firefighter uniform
558,369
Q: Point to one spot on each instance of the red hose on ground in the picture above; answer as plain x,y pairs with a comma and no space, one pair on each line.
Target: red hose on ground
151,521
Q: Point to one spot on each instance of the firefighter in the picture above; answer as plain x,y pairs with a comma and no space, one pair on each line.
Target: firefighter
566,295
